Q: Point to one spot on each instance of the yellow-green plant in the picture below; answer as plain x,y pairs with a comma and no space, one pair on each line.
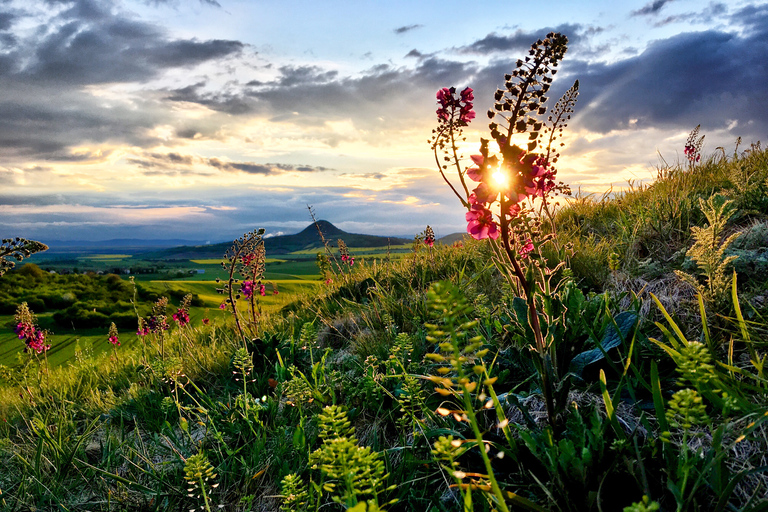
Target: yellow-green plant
198,472
464,377
708,250
347,470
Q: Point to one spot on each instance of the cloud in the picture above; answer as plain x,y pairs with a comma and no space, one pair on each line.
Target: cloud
652,8
173,163
175,3
54,74
406,28
521,40
263,169
706,78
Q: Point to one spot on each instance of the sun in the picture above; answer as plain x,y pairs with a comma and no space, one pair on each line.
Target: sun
501,179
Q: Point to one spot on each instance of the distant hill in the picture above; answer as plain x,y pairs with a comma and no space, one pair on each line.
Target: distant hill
283,244
452,238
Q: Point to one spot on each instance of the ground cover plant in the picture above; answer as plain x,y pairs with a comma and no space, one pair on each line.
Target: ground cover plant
604,355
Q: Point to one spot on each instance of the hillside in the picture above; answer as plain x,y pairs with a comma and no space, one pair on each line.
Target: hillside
306,239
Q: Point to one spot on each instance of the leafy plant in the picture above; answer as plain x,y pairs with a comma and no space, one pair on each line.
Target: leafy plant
708,251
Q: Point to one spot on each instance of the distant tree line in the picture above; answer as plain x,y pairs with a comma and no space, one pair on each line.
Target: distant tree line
79,301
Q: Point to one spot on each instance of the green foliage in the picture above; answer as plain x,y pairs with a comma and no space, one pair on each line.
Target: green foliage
708,250
347,470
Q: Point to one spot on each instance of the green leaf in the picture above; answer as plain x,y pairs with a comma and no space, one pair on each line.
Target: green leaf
615,333
658,399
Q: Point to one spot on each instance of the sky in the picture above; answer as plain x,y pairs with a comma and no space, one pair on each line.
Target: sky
205,119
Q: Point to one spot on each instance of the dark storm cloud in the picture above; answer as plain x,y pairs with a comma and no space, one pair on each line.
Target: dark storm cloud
115,50
708,78
521,40
6,20
263,169
406,28
299,75
44,107
712,12
652,8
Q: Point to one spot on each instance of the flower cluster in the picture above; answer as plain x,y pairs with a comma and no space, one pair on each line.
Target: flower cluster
455,107
26,330
519,176
113,335
346,257
181,316
429,236
156,322
693,146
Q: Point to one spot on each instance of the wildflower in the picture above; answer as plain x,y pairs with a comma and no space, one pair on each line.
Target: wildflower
113,335
328,281
26,330
526,248
247,289
450,105
143,329
480,223
181,317
206,321
274,289
262,290
36,342
223,305
429,236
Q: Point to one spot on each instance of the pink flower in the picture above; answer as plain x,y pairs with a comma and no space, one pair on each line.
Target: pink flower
247,289
483,193
182,317
114,340
37,343
526,248
206,321
223,305
467,95
474,173
328,281
262,290
480,223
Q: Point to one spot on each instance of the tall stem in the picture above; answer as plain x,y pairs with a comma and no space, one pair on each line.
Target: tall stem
533,314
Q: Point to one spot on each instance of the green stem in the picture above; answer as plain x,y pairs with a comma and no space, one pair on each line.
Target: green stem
481,446
205,496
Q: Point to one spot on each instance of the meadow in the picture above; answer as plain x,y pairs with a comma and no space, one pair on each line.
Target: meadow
606,354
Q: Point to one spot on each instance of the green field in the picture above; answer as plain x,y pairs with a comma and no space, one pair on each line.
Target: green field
293,277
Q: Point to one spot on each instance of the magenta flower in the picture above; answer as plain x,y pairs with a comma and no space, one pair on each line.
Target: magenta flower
246,288
262,290
480,223
526,248
36,342
182,317
114,340
223,305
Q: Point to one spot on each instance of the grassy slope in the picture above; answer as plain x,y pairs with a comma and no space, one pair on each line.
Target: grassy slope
357,322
